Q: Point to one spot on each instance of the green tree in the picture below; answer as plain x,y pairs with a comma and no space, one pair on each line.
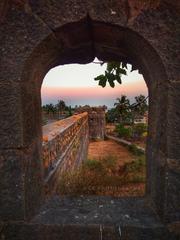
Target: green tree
61,106
139,129
70,111
112,115
49,108
114,72
140,106
123,132
123,107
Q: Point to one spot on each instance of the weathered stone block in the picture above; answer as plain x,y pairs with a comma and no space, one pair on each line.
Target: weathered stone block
57,13
11,130
11,185
173,125
20,175
145,34
172,207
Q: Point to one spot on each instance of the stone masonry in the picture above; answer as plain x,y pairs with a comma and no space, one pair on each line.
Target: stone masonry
96,120
65,146
36,35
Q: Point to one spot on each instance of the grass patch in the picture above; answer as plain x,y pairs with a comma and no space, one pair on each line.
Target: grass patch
93,165
135,150
102,177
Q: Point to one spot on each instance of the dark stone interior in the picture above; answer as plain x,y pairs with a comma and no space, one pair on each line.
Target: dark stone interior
38,35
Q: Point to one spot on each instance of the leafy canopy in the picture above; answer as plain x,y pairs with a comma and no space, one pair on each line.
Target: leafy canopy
113,72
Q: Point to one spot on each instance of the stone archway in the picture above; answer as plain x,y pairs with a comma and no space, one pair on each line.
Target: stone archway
38,35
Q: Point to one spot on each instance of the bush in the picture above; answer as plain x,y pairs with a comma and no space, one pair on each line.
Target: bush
136,165
109,162
123,131
139,129
135,150
101,166
112,115
102,177
93,165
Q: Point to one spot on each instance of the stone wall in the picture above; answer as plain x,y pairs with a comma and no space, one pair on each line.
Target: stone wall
37,35
96,119
65,145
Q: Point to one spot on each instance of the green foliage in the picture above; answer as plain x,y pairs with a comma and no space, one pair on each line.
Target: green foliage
135,171
58,108
123,132
93,165
122,106
136,165
113,73
109,162
139,129
140,106
112,115
61,106
49,108
96,176
69,109
102,165
124,112
135,150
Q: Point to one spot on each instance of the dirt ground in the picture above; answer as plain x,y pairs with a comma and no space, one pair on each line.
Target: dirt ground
100,149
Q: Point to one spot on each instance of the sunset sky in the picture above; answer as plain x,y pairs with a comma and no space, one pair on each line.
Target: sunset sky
75,84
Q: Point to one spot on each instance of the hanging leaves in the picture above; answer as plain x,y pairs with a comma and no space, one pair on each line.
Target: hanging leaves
102,80
113,73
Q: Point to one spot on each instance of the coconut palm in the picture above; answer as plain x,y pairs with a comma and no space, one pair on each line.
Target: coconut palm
140,106
123,107
60,106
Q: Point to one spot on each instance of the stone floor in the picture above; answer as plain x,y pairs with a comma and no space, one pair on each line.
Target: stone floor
90,218
97,210
102,218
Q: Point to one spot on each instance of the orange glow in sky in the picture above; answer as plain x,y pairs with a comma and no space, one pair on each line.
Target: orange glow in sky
74,83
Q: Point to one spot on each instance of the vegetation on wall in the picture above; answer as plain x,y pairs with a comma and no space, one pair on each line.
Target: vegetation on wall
104,177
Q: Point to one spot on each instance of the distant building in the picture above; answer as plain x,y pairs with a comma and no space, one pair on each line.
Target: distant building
141,119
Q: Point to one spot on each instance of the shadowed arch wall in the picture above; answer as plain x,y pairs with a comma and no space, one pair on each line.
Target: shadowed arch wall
52,34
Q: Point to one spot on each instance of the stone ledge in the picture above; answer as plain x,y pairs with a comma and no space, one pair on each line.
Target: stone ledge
92,217
82,232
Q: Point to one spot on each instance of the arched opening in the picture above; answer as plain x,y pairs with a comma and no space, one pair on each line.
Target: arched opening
114,161
80,43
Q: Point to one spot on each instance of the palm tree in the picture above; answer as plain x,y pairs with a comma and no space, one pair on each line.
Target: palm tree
61,106
49,108
122,106
49,111
140,106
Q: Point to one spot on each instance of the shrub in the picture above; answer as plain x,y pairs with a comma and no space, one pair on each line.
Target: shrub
93,165
136,165
123,131
135,150
101,177
139,129
109,162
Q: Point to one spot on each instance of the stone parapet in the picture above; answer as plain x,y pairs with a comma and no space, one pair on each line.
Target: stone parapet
65,145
